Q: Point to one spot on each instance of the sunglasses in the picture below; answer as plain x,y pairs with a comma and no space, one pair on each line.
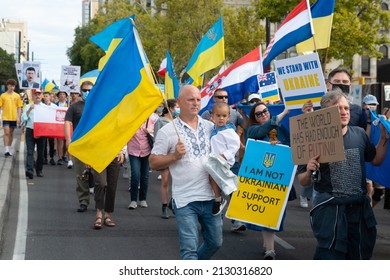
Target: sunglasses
261,113
221,97
85,90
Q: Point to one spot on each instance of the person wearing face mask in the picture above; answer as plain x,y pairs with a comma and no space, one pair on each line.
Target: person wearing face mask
72,118
168,113
341,78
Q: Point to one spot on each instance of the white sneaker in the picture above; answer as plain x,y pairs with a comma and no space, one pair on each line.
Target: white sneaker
269,254
303,202
125,173
132,205
238,226
70,164
143,204
159,177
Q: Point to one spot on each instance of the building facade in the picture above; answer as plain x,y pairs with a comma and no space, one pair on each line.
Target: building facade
13,39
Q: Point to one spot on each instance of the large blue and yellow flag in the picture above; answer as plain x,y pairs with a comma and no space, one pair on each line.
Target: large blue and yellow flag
209,54
122,99
322,18
172,86
110,37
90,76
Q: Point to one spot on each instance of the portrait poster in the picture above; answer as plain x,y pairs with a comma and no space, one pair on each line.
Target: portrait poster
264,182
31,75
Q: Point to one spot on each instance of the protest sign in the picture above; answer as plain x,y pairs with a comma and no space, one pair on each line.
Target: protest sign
268,87
70,79
264,183
300,79
18,69
317,133
31,75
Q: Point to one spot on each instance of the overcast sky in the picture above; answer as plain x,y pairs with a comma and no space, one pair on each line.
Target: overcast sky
50,29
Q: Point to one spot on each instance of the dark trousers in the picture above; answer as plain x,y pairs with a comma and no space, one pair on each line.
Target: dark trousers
105,186
30,143
49,141
139,177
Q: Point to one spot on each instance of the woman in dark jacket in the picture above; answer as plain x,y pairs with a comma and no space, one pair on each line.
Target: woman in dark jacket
267,128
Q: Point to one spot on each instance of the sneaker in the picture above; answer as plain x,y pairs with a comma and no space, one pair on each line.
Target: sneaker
303,202
238,226
132,205
159,177
269,254
143,204
70,164
45,161
60,162
164,213
91,190
7,154
65,159
125,173
52,161
218,206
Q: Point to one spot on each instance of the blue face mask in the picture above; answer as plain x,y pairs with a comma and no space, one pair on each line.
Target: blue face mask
176,113
159,110
85,94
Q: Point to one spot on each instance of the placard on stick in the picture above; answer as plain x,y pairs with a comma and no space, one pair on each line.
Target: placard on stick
317,133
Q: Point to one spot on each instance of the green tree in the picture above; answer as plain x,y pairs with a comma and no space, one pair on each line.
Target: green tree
176,25
7,67
358,26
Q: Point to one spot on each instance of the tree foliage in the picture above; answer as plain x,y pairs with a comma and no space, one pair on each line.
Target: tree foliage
7,67
176,25
357,26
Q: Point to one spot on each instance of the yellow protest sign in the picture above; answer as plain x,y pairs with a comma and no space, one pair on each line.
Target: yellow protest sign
264,183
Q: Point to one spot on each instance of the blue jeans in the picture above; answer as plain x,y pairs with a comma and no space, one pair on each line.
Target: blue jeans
139,177
187,219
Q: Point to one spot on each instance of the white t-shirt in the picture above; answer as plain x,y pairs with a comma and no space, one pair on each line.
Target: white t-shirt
190,180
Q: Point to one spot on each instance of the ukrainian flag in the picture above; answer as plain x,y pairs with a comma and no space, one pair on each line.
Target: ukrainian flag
322,17
122,99
209,53
172,87
110,37
90,76
47,86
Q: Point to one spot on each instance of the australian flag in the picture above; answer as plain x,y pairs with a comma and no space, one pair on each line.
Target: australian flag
268,86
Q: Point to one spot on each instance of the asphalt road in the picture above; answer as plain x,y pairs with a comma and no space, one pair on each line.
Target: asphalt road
44,211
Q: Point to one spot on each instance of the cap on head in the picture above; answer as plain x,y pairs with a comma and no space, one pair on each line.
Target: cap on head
36,91
252,97
370,99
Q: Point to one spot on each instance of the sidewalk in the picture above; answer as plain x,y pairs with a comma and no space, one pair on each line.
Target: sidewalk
6,175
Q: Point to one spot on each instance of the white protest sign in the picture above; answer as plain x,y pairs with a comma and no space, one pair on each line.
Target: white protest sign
300,80
31,75
70,79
